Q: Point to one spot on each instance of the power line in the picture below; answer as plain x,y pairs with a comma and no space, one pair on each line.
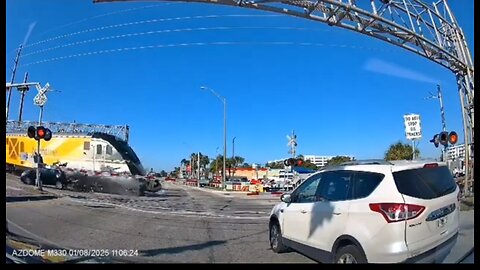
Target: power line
144,22
174,31
99,16
201,44
104,15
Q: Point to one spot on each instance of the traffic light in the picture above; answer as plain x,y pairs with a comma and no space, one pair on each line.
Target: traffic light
39,133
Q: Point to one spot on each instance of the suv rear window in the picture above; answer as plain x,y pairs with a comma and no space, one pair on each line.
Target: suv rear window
425,183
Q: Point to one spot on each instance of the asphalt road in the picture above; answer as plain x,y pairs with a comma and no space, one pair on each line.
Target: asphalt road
179,224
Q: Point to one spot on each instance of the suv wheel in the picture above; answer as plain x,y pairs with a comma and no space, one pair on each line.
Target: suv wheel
276,241
350,254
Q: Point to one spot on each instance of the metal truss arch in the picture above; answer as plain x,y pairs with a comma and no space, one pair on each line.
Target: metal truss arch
429,30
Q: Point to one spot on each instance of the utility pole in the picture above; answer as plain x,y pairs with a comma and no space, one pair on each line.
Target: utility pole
233,155
14,70
23,91
198,166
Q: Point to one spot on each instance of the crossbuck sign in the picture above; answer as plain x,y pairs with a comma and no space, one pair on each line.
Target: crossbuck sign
41,98
413,130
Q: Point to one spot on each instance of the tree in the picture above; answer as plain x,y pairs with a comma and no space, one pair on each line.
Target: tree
400,151
307,164
204,160
338,159
184,162
246,165
175,172
163,173
216,165
228,165
238,160
275,165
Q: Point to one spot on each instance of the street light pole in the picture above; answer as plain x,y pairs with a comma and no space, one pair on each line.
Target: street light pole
216,163
233,155
224,100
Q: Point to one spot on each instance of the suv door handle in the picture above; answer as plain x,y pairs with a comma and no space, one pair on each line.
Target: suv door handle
303,211
336,213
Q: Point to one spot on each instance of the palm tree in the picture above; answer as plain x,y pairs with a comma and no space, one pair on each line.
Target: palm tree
183,162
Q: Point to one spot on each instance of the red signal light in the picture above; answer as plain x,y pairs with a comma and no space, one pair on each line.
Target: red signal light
41,133
299,163
453,137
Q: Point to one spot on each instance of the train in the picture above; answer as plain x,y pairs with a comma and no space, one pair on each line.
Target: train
94,157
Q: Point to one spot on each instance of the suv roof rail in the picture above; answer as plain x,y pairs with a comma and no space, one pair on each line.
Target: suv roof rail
366,162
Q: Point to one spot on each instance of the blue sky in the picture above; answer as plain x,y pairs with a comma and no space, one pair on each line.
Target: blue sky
339,97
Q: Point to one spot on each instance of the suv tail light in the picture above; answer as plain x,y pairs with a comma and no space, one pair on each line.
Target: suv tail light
393,212
430,165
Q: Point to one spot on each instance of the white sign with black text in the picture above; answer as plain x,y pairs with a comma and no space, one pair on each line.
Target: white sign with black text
413,130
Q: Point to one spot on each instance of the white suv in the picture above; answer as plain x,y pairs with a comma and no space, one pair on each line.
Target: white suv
370,212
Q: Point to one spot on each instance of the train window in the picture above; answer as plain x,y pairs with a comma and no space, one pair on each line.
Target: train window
99,149
108,150
86,146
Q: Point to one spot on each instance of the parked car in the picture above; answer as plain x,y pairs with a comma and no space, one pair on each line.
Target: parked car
204,182
375,212
48,176
238,179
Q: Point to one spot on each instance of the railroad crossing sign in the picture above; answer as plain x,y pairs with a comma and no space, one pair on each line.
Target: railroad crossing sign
292,143
41,98
413,129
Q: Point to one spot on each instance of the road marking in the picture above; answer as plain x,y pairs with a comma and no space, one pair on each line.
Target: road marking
14,188
181,213
29,204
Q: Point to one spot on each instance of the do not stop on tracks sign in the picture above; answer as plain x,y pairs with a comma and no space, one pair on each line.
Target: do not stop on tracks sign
413,130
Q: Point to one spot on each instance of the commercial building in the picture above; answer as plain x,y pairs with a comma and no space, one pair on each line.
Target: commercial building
319,161
456,152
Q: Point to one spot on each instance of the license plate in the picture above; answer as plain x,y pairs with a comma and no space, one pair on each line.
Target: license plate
442,221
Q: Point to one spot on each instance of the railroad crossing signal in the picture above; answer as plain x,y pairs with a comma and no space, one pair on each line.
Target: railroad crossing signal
444,138
293,162
39,133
